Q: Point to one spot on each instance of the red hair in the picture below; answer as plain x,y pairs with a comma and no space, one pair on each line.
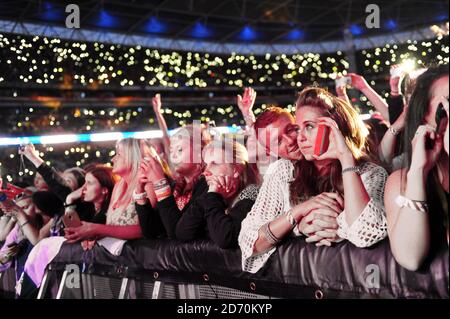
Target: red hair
270,115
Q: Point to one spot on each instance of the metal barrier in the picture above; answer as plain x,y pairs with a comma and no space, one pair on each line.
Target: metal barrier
94,286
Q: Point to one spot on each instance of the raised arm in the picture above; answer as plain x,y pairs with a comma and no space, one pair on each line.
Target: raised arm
341,92
408,227
50,175
388,143
359,83
245,104
156,103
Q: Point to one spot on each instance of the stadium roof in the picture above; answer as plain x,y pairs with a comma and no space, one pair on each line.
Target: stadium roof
239,25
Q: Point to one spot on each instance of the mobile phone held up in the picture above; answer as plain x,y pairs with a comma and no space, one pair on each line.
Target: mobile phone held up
322,140
439,119
343,81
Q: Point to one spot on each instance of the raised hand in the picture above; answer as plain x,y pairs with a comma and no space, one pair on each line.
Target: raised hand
423,158
396,78
30,152
337,148
246,102
156,103
358,82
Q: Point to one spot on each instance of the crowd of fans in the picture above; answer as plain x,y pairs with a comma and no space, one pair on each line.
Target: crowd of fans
387,177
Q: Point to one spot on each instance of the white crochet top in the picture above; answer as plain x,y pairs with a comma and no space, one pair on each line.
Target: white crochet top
123,217
274,200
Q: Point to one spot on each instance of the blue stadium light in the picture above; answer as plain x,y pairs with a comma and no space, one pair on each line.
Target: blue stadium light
96,137
200,31
51,13
442,17
295,34
391,25
356,29
248,34
106,20
155,26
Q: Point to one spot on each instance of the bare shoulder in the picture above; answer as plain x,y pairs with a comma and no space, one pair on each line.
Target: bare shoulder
395,180
392,189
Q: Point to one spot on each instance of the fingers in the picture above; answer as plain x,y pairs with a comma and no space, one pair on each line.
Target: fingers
336,197
326,202
328,122
313,239
311,230
422,132
323,242
72,238
329,234
325,222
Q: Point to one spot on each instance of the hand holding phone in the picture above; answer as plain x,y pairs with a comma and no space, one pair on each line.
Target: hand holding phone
343,81
71,219
322,140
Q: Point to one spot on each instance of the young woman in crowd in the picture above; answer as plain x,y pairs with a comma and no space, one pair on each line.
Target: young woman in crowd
231,194
60,184
97,189
416,196
309,196
390,146
40,183
30,222
121,219
173,199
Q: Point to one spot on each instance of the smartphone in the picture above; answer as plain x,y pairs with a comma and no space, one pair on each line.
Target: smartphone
322,140
397,72
440,115
71,219
344,81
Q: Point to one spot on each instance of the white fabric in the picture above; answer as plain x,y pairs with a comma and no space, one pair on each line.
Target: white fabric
113,245
120,217
371,225
274,200
40,256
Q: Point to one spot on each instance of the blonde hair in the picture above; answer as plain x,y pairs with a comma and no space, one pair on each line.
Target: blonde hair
236,154
123,190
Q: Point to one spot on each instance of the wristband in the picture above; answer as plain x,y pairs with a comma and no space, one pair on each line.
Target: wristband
140,196
393,131
417,205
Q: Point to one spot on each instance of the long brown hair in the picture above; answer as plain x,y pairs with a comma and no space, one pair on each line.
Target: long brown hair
106,178
307,180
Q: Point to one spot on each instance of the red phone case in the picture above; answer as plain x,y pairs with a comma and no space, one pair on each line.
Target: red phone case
322,140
